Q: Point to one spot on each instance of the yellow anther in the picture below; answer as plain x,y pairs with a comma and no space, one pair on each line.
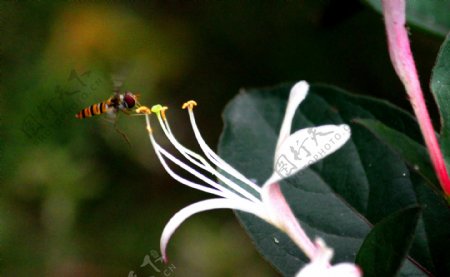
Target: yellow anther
149,130
143,110
189,105
160,110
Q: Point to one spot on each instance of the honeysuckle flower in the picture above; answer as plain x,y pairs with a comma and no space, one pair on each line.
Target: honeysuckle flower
293,152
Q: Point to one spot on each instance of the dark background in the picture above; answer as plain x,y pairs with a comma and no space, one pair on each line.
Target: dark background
75,199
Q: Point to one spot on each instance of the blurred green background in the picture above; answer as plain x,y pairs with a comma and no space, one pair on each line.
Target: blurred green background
76,200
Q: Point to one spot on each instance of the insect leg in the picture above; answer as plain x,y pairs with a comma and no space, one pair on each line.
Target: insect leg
120,132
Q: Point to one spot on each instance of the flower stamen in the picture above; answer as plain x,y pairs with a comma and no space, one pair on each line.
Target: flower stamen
189,105
216,160
161,153
199,161
143,110
160,110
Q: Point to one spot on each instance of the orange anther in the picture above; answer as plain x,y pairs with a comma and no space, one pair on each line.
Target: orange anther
143,110
189,105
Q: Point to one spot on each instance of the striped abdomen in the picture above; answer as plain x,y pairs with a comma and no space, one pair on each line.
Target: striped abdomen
92,110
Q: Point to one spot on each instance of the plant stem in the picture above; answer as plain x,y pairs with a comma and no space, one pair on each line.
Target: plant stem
403,62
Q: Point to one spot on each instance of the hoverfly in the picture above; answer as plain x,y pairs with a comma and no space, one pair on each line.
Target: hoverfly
118,102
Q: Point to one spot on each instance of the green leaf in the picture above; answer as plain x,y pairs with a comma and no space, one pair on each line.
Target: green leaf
440,86
436,226
388,243
413,153
437,216
432,16
342,196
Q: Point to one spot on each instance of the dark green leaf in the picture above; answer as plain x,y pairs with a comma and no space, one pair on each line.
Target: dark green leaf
388,243
415,154
431,16
440,86
436,226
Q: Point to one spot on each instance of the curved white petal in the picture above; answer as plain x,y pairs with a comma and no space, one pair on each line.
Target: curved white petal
296,96
205,205
306,147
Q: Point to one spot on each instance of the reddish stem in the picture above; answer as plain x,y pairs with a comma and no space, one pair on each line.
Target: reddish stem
403,62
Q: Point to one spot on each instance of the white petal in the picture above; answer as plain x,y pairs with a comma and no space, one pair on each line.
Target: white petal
205,205
340,270
296,96
306,147
320,265
313,270
344,270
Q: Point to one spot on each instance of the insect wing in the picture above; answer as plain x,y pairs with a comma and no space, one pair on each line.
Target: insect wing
118,78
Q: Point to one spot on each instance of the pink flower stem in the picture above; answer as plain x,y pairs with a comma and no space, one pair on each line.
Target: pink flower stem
403,62
286,220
